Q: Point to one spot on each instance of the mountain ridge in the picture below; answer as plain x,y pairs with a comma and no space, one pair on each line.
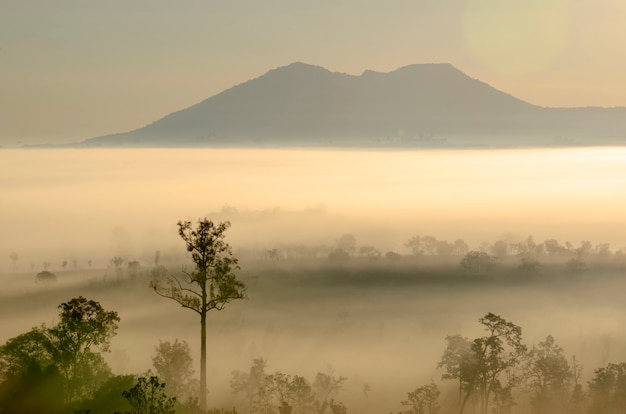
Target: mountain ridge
431,104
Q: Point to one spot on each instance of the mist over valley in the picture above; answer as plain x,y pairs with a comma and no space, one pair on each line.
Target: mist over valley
378,314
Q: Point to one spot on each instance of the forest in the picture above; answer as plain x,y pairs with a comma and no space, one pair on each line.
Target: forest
431,329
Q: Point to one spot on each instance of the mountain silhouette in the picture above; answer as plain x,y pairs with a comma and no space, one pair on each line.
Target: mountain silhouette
416,105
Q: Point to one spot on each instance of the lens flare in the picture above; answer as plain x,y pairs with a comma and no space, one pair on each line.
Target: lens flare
516,38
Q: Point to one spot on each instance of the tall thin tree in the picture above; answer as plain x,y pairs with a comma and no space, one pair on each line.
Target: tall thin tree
211,285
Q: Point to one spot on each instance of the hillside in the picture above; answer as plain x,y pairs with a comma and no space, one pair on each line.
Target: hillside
417,105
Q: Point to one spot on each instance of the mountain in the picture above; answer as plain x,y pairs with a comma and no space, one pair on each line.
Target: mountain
417,105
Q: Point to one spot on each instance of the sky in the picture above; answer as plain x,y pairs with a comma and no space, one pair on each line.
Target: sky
74,69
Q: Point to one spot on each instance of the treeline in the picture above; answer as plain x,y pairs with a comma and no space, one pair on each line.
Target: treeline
527,255
61,369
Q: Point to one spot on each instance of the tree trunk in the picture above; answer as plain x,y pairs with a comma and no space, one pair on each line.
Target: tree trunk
203,361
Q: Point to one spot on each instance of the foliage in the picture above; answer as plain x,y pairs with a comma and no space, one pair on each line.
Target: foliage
338,256
211,285
173,364
24,351
549,377
35,389
486,369
108,398
268,393
423,400
252,383
607,390
458,361
148,397
14,258
476,262
64,356
347,243
84,327
45,277
415,244
528,263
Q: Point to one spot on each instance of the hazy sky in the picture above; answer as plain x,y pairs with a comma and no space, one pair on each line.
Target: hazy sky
74,69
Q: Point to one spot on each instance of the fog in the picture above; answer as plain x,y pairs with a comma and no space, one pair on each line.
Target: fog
375,323
91,202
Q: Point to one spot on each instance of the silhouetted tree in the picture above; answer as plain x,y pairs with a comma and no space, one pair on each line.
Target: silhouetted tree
211,285
83,328
415,244
347,243
252,384
35,389
327,386
487,368
14,258
607,390
460,247
476,262
423,400
429,245
549,377
285,394
45,277
370,252
444,248
528,263
173,364
67,349
272,254
148,397
458,361
133,268
117,262
500,249
108,398
553,248
603,249
157,257
25,351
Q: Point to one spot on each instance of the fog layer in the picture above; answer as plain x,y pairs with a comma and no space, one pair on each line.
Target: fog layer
80,202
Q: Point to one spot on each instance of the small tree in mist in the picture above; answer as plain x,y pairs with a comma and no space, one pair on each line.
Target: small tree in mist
415,244
476,262
173,364
458,361
347,243
117,262
607,390
422,400
487,369
549,377
211,285
14,258
148,397
287,394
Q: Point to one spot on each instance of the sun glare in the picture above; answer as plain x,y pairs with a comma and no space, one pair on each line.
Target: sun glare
516,38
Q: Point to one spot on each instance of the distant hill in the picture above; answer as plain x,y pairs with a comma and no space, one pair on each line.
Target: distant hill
417,105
